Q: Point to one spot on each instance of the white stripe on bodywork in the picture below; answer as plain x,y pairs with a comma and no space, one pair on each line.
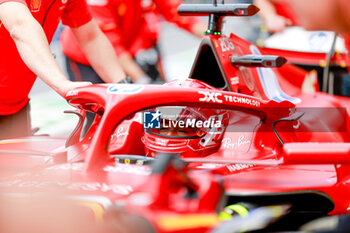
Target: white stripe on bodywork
270,84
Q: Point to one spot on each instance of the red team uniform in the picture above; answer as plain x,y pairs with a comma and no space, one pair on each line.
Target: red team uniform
283,8
16,79
130,25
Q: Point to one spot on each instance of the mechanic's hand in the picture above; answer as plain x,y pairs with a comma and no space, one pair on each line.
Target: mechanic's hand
199,29
66,86
277,23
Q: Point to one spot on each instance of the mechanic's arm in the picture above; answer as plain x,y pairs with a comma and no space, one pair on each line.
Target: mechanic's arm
33,46
100,52
133,70
192,24
273,21
198,29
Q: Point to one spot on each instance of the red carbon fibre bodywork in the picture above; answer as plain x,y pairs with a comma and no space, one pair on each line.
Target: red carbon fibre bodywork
318,159
264,161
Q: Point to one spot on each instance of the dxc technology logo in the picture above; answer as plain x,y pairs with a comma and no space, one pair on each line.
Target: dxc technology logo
151,120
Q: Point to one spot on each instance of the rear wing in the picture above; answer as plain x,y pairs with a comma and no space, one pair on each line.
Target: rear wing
216,12
220,10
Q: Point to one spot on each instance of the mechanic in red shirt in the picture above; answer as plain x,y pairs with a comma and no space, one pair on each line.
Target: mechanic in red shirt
133,28
26,28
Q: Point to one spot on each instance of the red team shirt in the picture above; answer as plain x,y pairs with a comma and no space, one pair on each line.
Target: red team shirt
283,8
130,25
16,79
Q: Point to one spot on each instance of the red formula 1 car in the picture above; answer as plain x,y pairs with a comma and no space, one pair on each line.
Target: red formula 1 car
272,143
237,117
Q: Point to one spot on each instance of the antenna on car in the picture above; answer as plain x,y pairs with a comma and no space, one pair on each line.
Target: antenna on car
216,12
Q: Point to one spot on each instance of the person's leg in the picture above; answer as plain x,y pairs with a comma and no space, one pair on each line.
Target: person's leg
345,85
16,125
149,61
80,72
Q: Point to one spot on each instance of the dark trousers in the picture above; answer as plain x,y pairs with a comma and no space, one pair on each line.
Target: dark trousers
16,125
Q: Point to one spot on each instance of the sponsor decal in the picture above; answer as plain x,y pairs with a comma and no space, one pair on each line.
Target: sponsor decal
238,167
73,93
242,100
80,186
120,132
96,2
228,143
124,88
226,44
208,96
209,166
234,80
162,142
129,169
217,97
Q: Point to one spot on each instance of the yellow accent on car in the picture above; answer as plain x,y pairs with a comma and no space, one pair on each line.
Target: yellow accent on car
216,44
8,141
95,207
13,141
178,222
236,208
239,209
